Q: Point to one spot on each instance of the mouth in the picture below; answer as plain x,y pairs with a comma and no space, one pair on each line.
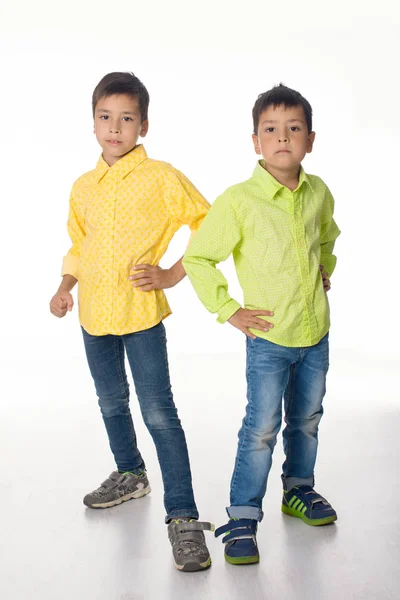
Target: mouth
113,142
283,152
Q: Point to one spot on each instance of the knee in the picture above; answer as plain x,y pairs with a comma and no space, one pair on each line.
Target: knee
159,418
112,406
261,439
308,424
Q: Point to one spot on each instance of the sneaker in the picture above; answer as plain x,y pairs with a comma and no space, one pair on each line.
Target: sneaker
304,503
189,545
240,541
118,488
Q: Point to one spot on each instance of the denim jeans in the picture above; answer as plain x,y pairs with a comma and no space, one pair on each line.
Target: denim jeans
147,356
274,372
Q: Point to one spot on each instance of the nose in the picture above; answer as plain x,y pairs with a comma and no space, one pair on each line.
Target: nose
283,137
114,127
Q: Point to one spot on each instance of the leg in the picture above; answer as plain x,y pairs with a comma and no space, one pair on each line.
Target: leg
105,356
267,377
303,412
147,354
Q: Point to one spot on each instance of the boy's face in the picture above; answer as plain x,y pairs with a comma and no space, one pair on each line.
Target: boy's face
283,139
118,125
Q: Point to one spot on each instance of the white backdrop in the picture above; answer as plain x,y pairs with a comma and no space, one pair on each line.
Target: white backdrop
204,65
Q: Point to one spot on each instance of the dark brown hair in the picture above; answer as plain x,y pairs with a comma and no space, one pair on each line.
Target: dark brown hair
280,95
122,83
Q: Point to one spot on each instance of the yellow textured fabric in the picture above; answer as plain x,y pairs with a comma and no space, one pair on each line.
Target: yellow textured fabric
121,216
278,239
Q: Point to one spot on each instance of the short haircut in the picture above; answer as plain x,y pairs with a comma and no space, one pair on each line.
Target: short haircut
122,83
280,95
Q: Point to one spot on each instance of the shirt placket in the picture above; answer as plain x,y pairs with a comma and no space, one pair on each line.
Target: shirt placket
309,321
109,246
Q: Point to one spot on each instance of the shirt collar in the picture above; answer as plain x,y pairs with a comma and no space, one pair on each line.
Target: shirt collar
272,185
124,165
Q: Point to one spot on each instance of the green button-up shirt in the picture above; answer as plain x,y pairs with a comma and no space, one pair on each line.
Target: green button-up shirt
278,239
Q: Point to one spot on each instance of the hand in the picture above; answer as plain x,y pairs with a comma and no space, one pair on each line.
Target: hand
152,278
61,303
243,319
325,279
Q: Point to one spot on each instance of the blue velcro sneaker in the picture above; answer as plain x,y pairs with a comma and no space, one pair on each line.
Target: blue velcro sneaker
240,541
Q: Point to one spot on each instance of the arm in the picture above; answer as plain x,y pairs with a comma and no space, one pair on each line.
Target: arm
153,277
329,232
62,301
186,206
216,239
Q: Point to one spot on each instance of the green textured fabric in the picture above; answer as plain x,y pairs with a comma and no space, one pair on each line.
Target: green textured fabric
278,239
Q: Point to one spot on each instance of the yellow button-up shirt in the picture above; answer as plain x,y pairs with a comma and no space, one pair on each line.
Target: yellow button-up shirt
119,217
278,239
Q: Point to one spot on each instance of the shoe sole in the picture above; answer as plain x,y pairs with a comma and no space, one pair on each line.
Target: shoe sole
191,567
131,496
242,560
292,512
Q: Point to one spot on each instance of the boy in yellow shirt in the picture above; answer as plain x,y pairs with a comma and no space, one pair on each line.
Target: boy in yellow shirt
280,229
122,217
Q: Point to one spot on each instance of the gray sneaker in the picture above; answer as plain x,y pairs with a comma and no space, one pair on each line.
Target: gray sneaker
118,488
189,544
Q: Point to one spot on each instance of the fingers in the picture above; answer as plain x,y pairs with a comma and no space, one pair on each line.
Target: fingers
144,267
261,325
139,280
146,284
267,313
249,334
137,276
146,287
61,304
58,310
245,319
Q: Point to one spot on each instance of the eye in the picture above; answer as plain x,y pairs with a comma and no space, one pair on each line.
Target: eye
104,117
295,128
270,129
127,119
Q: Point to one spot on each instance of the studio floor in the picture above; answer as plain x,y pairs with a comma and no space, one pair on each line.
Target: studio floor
54,451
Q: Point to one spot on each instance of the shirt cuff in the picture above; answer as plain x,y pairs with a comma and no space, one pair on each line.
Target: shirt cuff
228,310
329,262
70,266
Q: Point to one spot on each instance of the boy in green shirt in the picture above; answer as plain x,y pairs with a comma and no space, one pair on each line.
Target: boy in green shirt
280,229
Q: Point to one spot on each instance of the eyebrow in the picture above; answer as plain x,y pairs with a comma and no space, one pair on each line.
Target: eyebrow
124,112
289,121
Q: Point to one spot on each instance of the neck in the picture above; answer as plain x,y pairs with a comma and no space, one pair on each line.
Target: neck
289,179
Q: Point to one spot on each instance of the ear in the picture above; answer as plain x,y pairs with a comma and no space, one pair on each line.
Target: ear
256,144
310,142
144,128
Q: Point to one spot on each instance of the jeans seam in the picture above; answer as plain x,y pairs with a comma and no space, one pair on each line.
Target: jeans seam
122,381
290,404
240,447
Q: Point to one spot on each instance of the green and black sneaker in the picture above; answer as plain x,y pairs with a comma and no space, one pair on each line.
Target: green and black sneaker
306,504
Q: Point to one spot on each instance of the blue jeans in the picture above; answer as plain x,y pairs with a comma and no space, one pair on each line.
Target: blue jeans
274,372
147,356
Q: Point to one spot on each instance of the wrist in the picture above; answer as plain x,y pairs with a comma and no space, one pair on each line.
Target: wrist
176,274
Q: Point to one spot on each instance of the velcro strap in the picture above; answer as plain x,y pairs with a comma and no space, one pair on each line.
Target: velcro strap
319,499
242,527
236,535
187,526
